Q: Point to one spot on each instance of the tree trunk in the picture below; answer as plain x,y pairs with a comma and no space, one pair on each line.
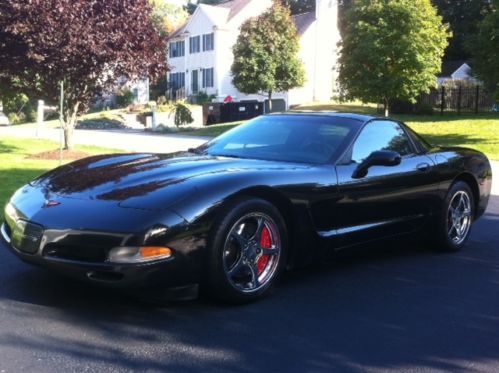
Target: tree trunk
70,119
270,102
68,138
386,107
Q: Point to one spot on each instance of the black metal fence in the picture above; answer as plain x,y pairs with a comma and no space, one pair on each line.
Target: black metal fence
469,99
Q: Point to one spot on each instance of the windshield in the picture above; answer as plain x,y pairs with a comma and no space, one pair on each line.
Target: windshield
288,138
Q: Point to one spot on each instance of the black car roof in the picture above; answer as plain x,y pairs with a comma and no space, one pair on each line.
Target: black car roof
359,117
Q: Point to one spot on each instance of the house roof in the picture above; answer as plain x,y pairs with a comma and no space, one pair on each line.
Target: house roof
179,30
219,14
234,6
450,67
222,13
303,21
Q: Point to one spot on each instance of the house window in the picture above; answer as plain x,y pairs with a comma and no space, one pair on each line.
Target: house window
207,78
208,42
194,44
177,49
177,80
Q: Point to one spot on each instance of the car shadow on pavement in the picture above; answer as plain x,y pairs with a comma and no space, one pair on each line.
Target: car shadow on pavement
389,306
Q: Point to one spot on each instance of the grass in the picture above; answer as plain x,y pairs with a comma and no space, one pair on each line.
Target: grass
16,169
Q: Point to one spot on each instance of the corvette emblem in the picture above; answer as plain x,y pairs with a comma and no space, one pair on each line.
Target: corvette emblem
51,203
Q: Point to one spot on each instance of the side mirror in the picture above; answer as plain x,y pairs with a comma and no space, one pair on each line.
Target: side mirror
378,158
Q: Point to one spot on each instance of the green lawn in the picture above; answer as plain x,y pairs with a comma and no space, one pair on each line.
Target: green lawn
475,131
16,169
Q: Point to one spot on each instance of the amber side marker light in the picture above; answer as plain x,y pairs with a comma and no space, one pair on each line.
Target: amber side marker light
138,254
154,251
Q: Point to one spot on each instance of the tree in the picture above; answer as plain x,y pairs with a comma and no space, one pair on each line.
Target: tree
392,49
463,16
266,54
88,44
300,6
167,16
484,47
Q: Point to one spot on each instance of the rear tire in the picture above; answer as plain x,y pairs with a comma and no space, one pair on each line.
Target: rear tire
456,218
248,250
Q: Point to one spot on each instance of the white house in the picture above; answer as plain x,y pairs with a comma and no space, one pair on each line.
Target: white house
200,52
457,70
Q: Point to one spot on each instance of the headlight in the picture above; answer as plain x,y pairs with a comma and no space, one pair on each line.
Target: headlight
138,254
10,211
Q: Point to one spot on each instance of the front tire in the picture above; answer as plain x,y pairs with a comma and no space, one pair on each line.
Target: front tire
248,251
456,219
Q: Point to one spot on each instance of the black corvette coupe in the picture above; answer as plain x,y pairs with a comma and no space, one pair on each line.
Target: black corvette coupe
230,216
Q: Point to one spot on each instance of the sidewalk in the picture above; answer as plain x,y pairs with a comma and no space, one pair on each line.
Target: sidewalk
126,140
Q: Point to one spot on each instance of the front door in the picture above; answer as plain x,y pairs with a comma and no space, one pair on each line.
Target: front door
195,81
388,200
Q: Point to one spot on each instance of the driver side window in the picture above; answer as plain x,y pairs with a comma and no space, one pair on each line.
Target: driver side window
381,135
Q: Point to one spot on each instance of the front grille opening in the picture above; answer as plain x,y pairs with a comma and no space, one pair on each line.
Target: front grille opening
105,276
94,254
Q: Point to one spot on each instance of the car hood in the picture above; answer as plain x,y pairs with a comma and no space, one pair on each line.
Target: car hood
131,178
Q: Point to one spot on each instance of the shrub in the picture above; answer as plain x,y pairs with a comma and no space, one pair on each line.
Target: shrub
165,108
424,109
182,115
14,118
203,98
401,107
162,100
125,98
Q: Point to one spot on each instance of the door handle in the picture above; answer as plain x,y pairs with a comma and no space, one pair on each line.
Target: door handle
423,167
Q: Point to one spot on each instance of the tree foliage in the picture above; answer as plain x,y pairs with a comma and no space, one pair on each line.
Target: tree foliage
266,54
485,49
88,44
463,16
167,16
392,49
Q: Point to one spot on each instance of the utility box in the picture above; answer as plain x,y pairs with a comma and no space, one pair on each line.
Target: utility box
214,113
211,113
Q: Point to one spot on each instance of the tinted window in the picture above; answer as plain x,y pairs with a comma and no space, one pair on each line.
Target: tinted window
381,135
292,138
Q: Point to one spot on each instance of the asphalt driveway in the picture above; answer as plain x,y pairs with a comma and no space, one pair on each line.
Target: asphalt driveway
391,307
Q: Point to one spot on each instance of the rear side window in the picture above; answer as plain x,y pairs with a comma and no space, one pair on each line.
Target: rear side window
381,135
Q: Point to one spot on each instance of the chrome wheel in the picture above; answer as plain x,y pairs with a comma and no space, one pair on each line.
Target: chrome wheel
251,252
459,217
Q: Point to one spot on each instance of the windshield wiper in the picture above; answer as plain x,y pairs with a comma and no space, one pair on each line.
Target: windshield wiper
196,151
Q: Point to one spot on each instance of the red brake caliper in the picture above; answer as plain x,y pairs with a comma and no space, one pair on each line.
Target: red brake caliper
265,243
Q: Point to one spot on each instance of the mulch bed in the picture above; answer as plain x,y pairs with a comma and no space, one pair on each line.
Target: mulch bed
54,155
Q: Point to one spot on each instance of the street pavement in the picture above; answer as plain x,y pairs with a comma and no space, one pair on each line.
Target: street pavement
126,140
394,306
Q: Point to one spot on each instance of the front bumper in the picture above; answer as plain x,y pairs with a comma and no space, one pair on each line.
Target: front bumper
173,272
